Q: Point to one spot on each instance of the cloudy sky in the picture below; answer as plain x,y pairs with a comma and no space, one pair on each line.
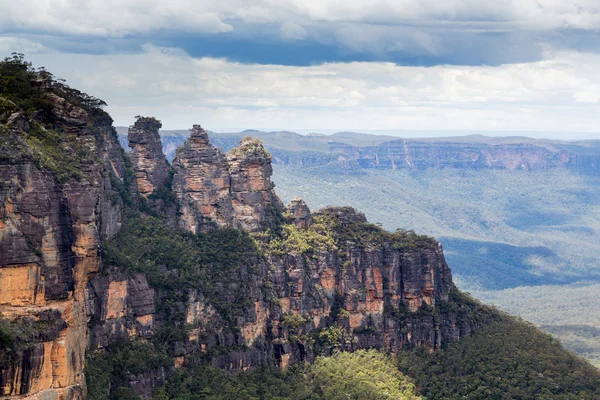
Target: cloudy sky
440,67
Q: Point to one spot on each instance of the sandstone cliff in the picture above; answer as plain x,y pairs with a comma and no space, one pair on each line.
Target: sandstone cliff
214,189
57,204
148,161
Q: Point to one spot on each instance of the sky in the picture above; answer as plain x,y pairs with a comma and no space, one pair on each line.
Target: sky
428,67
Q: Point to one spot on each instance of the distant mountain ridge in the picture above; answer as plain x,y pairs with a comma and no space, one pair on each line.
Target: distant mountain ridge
355,151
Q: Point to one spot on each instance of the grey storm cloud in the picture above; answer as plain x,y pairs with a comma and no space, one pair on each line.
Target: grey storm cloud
450,31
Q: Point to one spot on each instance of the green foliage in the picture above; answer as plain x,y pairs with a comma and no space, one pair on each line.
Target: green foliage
346,225
363,375
266,383
24,89
295,240
274,221
18,87
7,343
330,232
292,321
507,359
165,193
330,338
124,187
176,262
250,147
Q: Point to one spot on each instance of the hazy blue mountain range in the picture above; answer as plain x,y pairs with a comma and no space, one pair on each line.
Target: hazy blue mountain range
519,218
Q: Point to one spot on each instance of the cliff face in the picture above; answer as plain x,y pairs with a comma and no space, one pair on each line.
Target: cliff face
339,284
56,206
366,151
81,272
252,195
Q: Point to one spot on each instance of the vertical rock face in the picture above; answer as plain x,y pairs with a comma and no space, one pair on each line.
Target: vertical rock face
252,195
300,213
51,227
148,161
202,184
226,191
119,306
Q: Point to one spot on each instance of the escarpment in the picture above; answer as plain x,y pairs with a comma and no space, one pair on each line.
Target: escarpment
104,256
58,203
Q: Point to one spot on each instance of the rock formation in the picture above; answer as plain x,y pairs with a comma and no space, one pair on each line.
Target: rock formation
147,159
213,189
252,195
202,184
300,213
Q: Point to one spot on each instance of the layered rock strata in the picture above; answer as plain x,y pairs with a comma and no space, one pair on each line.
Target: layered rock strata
202,184
51,229
415,155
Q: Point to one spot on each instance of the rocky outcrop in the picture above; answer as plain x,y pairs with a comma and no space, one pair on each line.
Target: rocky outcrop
252,197
119,306
152,171
300,213
213,189
202,184
308,283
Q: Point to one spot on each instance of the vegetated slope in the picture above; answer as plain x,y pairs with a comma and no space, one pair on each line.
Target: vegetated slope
569,312
508,359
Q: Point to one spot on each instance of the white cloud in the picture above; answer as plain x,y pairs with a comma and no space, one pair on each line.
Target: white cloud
125,17
559,93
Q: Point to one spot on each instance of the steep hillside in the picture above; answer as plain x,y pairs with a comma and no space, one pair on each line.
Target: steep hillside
124,276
